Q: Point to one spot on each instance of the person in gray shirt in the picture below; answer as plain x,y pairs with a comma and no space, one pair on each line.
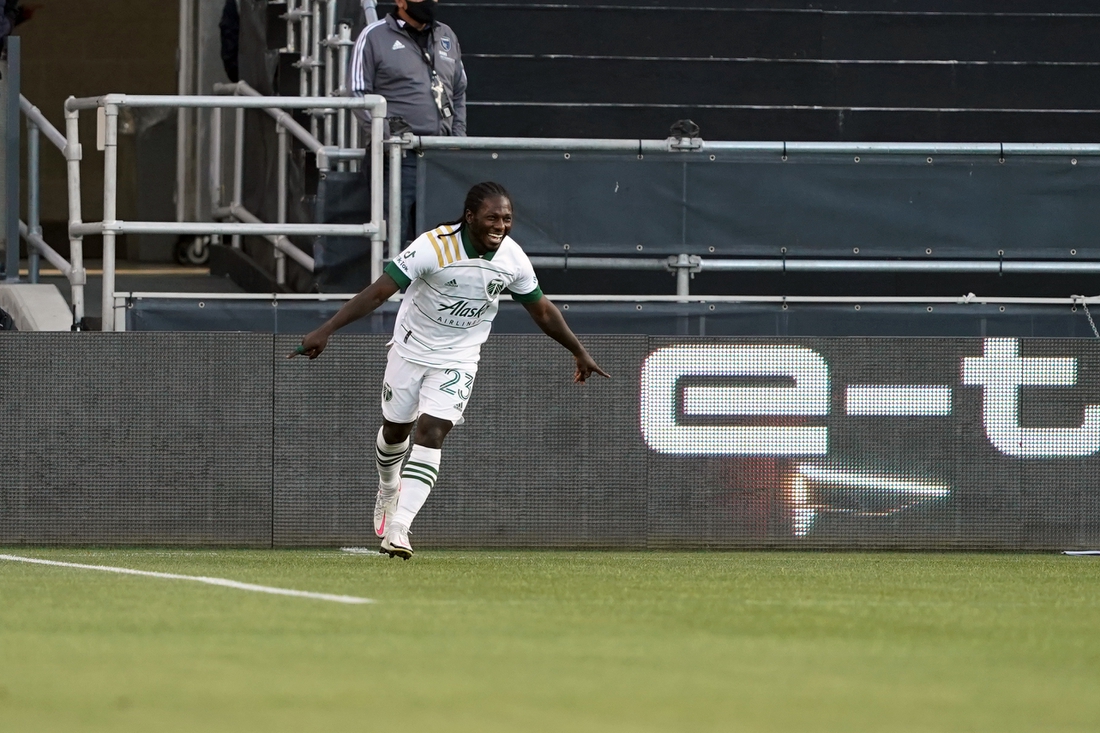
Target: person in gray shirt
415,62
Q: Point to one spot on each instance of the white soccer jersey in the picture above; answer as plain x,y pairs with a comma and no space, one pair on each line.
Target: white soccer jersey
452,292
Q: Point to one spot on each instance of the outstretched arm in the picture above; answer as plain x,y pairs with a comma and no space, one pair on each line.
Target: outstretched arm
374,295
550,320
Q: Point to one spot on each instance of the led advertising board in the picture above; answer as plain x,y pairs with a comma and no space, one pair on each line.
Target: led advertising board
891,442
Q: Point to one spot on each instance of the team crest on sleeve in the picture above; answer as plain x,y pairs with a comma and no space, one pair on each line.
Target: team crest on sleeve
387,392
494,287
445,43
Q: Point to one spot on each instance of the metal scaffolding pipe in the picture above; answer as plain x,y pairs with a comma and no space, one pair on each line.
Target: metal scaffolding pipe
778,148
440,142
110,201
203,228
279,241
598,263
342,87
280,204
393,223
238,167
685,264
377,130
281,118
968,299
35,115
248,98
930,266
52,255
73,154
33,191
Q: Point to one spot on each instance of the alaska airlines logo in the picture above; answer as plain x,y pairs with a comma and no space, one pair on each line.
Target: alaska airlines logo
463,309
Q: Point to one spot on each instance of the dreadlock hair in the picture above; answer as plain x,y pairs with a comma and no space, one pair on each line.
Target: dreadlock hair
476,196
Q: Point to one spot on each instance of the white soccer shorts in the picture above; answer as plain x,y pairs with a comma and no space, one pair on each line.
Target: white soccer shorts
410,390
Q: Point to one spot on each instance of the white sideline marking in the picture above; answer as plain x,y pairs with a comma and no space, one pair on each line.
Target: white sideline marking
224,582
368,551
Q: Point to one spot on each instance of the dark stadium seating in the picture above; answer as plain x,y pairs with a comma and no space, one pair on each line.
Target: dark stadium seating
962,71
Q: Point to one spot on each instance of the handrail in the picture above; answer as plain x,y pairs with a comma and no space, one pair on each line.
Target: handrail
52,256
35,115
244,98
698,145
205,228
279,241
242,88
31,230
968,299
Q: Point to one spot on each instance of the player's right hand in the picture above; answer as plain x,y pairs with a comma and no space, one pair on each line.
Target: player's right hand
586,367
312,345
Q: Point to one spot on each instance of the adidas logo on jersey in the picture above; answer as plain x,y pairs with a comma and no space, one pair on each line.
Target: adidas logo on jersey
398,45
450,284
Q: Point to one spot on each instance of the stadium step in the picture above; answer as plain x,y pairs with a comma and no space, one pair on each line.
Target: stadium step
785,123
773,34
797,83
860,70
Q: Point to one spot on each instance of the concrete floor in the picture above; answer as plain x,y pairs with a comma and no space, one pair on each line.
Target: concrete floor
155,277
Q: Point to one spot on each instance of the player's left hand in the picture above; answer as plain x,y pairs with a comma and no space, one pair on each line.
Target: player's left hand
586,367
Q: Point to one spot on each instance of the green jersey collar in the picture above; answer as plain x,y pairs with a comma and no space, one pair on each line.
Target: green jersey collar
469,246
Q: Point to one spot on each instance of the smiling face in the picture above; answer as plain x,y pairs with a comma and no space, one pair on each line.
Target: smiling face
490,224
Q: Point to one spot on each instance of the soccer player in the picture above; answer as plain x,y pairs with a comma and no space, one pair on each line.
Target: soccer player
454,275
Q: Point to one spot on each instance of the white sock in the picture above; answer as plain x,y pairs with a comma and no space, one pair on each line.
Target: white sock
387,458
417,481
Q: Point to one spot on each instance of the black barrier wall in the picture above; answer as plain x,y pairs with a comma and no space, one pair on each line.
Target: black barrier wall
736,204
217,439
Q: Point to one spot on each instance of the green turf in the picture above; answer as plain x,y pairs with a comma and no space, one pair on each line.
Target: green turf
536,641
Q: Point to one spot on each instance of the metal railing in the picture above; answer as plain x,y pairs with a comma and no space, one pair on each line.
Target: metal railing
245,223
125,300
685,266
31,230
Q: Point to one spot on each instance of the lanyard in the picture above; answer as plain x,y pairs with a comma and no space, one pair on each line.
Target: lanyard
439,95
425,53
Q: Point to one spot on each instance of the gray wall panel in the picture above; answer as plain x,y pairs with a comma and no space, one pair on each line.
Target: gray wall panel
326,419
543,462
539,461
136,439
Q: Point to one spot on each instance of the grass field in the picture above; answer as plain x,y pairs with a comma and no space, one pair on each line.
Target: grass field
553,641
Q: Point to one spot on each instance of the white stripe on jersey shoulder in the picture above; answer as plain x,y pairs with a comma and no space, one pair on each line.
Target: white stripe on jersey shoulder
357,55
447,243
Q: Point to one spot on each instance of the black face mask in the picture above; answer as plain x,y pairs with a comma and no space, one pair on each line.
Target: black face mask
422,12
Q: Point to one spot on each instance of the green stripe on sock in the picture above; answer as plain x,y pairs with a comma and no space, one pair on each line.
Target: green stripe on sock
422,477
424,466
381,452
